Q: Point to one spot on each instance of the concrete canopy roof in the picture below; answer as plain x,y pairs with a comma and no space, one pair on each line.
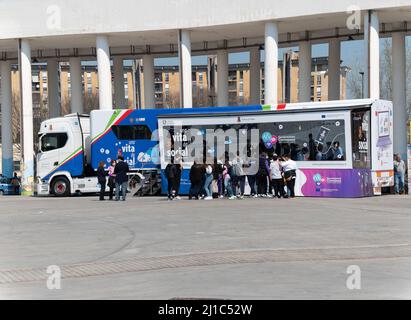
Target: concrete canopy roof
218,21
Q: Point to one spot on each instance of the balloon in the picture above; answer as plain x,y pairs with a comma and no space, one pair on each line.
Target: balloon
268,145
274,139
266,137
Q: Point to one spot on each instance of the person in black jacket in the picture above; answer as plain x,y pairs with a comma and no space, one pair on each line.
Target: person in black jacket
196,178
170,173
101,176
121,178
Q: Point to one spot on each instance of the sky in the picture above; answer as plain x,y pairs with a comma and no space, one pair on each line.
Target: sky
351,54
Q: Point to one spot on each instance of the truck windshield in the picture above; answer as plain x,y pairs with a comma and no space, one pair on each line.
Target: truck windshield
52,141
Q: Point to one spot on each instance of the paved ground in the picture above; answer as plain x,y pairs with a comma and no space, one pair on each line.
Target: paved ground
149,248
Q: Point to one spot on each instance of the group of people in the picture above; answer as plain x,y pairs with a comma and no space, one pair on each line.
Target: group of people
267,177
117,178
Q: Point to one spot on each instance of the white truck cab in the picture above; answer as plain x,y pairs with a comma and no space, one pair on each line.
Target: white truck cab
63,155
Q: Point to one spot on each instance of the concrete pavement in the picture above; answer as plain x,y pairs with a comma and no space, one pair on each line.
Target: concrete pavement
148,248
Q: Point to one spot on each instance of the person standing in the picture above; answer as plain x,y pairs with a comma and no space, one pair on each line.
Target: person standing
195,179
263,171
238,176
101,177
399,174
290,173
251,173
311,148
276,178
15,182
120,171
111,179
227,180
170,173
177,178
208,183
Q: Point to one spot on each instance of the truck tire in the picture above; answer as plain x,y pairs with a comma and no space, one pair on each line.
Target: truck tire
61,187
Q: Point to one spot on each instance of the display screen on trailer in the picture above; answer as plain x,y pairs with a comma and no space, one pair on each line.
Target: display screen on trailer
311,137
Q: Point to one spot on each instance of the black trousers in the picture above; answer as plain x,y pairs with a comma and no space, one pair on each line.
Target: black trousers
195,189
251,181
278,187
262,184
291,185
111,185
102,189
170,186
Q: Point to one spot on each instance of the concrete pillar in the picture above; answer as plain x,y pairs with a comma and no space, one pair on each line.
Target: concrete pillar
76,82
255,65
105,91
304,72
399,93
148,73
6,123
334,57
372,56
53,88
222,78
184,52
118,72
271,63
27,118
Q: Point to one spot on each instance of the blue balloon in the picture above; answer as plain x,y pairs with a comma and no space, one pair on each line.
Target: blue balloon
268,145
266,137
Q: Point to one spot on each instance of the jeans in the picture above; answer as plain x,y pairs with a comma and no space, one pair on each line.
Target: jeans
399,182
208,185
228,187
123,187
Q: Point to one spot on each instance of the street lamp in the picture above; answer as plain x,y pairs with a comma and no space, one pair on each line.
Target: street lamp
362,84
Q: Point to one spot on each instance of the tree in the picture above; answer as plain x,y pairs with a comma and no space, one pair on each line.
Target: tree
354,79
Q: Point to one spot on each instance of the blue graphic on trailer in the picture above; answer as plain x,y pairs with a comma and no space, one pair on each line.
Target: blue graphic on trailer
144,153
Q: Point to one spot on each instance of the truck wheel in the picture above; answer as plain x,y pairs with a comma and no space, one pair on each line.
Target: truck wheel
61,187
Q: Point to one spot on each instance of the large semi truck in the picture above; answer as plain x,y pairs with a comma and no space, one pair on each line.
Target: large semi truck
71,147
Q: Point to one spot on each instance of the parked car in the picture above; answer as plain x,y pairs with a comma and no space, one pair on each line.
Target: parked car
6,188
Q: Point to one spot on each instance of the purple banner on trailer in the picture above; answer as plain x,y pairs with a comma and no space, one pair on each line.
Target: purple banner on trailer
335,183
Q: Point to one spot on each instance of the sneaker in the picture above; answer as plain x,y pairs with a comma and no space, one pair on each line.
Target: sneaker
208,198
221,197
178,198
232,198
